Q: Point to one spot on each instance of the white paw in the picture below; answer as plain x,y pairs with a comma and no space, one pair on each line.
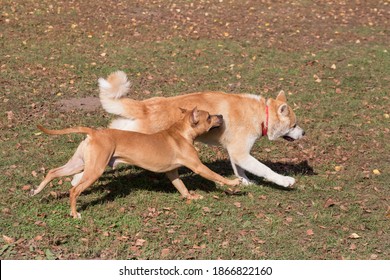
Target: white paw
287,181
247,182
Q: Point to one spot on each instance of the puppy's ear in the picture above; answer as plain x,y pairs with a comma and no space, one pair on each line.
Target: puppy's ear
194,116
283,110
281,96
183,110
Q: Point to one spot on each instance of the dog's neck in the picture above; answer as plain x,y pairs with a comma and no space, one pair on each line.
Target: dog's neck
183,127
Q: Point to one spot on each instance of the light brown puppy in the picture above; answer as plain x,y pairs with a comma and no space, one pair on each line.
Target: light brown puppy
246,118
163,151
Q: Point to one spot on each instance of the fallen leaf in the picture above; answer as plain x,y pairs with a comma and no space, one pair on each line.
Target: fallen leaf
329,202
165,252
333,66
26,187
338,168
206,209
374,256
40,223
317,79
354,236
352,247
8,239
376,172
38,238
10,116
310,232
237,204
140,242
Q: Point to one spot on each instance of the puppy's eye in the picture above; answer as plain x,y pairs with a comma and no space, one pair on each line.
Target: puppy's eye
294,126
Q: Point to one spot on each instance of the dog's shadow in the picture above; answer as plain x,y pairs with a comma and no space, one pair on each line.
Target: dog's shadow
121,186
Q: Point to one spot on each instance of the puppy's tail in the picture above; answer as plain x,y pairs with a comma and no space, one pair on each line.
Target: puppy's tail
112,96
80,129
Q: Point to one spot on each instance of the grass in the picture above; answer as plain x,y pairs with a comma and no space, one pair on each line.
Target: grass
338,89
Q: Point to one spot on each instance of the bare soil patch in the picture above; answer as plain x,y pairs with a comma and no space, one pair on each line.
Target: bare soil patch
88,104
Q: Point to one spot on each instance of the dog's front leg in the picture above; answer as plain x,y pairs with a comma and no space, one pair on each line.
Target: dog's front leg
205,172
255,167
173,176
240,173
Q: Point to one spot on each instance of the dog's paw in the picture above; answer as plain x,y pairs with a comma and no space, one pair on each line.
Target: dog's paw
247,182
288,182
76,215
236,182
193,196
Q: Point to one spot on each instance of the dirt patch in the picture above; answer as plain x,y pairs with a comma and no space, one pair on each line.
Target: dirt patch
87,104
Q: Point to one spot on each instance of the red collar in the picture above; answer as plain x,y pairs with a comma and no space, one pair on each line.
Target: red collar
264,128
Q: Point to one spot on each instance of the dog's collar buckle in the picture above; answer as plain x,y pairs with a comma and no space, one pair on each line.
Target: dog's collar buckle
264,127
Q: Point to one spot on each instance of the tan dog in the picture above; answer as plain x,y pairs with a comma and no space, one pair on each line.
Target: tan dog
246,118
164,151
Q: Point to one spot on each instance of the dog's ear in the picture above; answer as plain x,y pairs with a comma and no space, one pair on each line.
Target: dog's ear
194,116
281,96
182,110
283,110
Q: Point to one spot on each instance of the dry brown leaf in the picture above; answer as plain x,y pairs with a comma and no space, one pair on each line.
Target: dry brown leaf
237,204
310,232
354,236
8,239
140,242
329,202
26,187
38,238
40,223
165,252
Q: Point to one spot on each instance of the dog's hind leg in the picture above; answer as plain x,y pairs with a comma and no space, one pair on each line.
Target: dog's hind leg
87,180
73,166
97,156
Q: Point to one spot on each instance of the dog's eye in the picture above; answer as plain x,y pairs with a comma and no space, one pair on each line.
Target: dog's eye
294,126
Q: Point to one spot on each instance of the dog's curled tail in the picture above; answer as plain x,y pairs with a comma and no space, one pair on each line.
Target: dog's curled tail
112,96
116,86
80,129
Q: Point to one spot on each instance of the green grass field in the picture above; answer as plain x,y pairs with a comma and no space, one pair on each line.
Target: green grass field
333,60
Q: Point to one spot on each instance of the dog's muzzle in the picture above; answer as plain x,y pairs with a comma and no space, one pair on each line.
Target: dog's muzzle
294,134
218,122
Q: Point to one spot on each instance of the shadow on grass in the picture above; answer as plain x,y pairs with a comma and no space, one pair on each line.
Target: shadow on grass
122,186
